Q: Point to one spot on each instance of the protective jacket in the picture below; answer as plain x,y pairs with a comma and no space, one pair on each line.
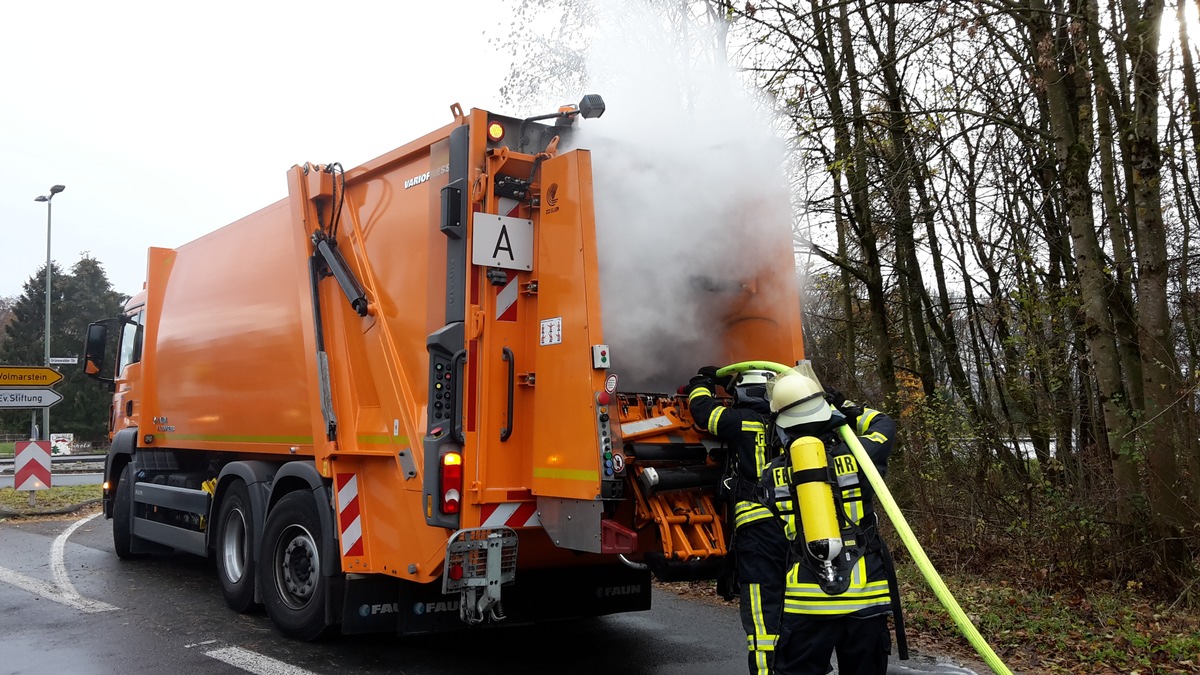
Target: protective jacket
759,545
744,430
867,592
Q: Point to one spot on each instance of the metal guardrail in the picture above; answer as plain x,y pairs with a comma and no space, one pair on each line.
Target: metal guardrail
7,463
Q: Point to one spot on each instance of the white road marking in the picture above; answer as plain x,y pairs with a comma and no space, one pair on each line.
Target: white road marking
50,591
62,590
254,662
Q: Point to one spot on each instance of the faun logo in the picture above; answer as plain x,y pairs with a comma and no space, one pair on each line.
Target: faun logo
384,608
435,607
611,591
552,195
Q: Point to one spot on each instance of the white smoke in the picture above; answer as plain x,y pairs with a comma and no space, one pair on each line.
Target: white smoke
685,172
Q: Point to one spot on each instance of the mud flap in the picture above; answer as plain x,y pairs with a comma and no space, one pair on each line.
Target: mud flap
377,604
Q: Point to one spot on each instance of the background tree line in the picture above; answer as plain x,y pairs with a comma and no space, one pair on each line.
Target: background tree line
77,298
996,200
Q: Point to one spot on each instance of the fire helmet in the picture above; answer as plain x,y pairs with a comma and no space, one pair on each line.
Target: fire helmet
750,387
796,398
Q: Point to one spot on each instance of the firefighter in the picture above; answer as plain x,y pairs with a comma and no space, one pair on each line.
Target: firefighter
841,584
759,546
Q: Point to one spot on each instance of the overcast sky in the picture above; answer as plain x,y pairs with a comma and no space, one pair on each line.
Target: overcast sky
166,120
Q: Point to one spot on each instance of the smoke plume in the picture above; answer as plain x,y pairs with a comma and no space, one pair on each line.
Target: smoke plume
686,174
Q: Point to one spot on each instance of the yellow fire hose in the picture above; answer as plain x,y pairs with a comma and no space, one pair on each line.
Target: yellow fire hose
902,528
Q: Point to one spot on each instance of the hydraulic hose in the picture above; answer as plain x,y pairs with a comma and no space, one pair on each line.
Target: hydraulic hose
867,466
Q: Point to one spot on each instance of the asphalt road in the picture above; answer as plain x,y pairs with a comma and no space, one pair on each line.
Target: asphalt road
73,607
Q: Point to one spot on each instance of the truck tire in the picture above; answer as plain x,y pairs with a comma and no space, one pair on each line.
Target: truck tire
290,567
234,547
122,505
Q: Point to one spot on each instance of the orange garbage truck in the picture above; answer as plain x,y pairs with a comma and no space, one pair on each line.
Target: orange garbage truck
387,403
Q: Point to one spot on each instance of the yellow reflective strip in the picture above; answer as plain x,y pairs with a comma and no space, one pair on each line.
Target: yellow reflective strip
810,591
746,507
864,420
760,444
831,608
565,474
235,438
699,391
877,437
760,625
714,418
746,519
382,439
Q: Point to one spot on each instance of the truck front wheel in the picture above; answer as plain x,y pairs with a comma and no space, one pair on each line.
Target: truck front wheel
122,506
290,567
235,537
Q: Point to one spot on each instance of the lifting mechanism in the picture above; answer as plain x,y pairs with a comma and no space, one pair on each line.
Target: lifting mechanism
674,484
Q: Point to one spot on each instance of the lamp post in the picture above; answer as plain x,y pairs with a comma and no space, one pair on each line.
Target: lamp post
46,198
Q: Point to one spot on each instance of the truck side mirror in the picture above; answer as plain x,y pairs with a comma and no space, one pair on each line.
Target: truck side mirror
93,351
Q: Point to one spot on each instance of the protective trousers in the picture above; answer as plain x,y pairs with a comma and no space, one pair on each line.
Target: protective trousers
808,642
762,557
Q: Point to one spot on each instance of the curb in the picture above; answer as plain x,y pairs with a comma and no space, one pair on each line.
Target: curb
5,513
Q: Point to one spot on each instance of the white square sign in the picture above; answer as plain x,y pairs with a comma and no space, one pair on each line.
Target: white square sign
500,241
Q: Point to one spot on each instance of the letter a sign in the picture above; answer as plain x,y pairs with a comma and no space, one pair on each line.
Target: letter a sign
501,241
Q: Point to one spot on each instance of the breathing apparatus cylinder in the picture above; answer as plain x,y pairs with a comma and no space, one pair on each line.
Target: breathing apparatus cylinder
814,498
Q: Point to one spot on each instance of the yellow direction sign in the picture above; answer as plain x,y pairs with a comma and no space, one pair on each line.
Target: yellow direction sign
28,376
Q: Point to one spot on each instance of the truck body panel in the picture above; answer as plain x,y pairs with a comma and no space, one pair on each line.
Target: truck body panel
425,333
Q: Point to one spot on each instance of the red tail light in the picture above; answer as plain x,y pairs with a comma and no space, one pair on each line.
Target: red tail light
451,482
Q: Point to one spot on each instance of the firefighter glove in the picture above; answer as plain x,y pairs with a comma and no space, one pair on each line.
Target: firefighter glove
838,400
697,382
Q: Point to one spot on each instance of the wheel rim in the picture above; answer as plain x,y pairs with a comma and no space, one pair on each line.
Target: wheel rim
233,545
297,566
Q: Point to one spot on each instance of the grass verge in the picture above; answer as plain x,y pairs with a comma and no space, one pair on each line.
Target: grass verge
1100,629
13,502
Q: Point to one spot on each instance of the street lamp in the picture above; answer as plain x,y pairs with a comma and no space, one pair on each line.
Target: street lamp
46,198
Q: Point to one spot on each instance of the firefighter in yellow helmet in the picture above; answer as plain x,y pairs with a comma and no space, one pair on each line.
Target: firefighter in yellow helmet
841,584
759,547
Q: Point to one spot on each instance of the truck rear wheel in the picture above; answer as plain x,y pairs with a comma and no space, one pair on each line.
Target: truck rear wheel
122,506
290,567
235,539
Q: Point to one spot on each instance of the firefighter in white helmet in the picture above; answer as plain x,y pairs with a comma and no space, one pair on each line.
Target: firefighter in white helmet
759,549
840,584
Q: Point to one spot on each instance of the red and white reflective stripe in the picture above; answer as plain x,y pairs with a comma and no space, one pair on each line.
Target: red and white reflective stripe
31,465
512,514
506,298
506,295
349,523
